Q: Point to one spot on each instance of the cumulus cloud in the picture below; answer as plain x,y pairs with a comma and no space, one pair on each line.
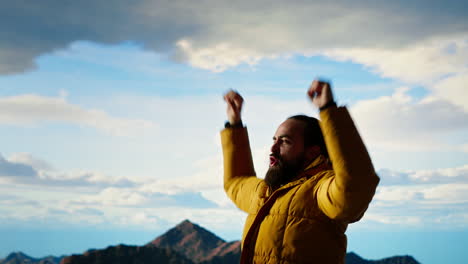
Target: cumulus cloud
14,200
80,178
421,205
16,169
95,199
399,122
27,110
218,58
421,63
217,32
134,198
438,176
448,175
421,198
453,88
439,64
114,196
404,198
26,169
29,160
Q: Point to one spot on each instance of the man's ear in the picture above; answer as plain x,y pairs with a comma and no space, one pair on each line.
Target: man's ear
312,152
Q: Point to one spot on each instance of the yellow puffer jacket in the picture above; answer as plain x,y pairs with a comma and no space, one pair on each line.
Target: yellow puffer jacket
305,220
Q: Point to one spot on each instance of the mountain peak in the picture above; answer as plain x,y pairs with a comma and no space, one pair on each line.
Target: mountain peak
353,258
189,239
18,256
186,225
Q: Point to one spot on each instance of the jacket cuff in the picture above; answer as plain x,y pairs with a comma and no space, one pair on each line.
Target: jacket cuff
328,105
236,125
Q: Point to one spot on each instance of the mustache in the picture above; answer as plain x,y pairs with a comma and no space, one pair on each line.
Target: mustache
277,157
274,155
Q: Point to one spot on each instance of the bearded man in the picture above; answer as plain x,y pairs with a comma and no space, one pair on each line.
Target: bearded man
320,180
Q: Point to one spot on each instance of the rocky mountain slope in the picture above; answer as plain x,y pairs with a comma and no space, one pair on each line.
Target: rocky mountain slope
21,258
186,243
123,254
195,242
353,258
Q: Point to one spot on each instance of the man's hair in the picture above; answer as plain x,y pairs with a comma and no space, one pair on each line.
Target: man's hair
312,132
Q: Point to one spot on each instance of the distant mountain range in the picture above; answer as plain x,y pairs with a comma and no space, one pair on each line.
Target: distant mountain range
186,243
21,258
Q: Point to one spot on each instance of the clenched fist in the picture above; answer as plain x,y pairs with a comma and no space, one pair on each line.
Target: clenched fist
320,93
234,106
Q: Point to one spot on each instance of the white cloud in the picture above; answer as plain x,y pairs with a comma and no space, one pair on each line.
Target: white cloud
14,200
464,147
25,169
80,178
218,58
251,28
114,197
448,175
132,197
438,64
400,194
403,220
444,194
453,88
414,207
423,198
406,199
28,159
422,63
16,169
143,219
27,110
421,177
401,123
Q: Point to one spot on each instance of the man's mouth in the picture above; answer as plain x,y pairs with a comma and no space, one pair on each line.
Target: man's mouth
273,160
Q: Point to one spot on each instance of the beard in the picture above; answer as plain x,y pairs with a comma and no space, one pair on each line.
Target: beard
283,172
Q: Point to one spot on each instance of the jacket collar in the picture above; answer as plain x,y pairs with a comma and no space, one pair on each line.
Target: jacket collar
319,164
316,162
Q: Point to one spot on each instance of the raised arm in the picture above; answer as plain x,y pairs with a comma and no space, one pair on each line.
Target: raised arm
347,194
240,182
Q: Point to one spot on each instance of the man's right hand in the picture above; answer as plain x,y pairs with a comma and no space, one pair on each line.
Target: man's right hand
234,106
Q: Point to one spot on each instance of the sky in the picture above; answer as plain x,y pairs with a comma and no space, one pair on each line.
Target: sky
110,114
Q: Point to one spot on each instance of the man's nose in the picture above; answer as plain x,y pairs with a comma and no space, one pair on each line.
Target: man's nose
274,147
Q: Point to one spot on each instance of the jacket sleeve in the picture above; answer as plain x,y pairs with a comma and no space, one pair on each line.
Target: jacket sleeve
345,194
240,183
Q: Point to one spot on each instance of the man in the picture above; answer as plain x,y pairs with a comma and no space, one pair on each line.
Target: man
300,211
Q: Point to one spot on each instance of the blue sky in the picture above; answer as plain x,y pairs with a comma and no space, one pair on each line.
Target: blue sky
110,114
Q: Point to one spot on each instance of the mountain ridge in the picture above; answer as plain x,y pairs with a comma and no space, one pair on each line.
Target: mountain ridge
186,243
19,257
195,242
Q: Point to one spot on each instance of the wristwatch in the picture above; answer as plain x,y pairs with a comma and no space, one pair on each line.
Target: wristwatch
236,125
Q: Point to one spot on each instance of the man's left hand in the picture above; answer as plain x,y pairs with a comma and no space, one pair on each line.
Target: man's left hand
320,93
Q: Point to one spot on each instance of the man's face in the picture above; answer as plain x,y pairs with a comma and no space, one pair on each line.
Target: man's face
287,153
